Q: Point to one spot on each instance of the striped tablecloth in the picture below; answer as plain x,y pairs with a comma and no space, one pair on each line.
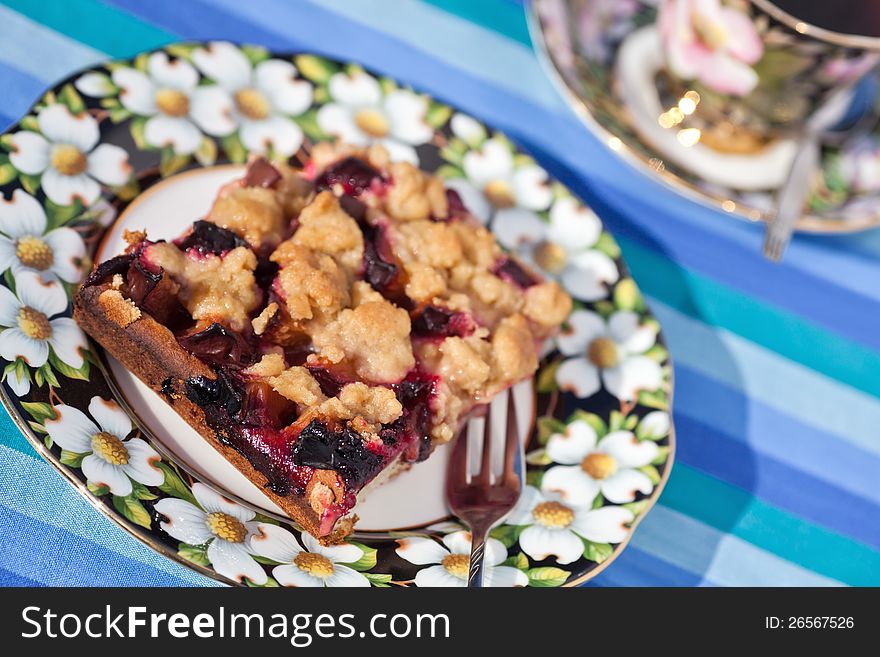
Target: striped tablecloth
777,480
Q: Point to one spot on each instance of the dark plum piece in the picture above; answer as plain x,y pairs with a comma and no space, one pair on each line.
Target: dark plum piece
263,407
378,272
209,238
355,176
141,280
260,173
219,345
320,447
414,425
434,322
109,268
329,382
218,397
354,208
156,293
511,271
456,208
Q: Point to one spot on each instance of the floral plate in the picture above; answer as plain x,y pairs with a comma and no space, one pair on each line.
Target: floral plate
607,57
602,443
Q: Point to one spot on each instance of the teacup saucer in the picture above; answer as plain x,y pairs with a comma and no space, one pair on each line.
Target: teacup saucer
614,89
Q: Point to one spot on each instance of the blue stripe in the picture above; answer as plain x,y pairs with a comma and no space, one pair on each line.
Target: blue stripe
61,558
20,91
8,578
635,567
707,449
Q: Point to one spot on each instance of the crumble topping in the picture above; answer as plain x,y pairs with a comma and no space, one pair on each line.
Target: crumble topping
311,283
253,213
120,310
373,404
298,385
513,349
271,364
374,338
547,304
464,362
211,286
324,226
261,321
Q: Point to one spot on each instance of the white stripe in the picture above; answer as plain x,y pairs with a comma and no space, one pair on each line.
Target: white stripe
719,558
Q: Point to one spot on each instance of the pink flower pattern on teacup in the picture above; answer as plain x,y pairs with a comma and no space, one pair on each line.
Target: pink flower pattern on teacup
711,43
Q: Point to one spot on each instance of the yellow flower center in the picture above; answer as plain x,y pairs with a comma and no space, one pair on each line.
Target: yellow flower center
68,160
599,465
710,32
253,104
316,565
34,253
109,448
224,526
553,515
500,194
602,352
172,102
34,324
457,565
372,122
550,257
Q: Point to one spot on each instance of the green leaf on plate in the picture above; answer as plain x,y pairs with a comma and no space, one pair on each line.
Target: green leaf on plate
58,215
30,183
8,173
206,153
317,69
266,561
651,472
170,162
662,455
269,584
386,84
547,576
128,191
658,353
450,172
141,492
39,411
81,374
547,426
607,245
141,62
255,54
507,534
197,554
379,580
592,419
181,50
37,427
598,502
136,127
438,114
97,490
321,96
546,381
71,459
538,457
654,399
267,519
9,279
70,97
604,307
627,296
133,510
308,121
367,561
534,478
47,441
630,422
174,485
615,421
519,560
597,552
234,149
120,114
637,508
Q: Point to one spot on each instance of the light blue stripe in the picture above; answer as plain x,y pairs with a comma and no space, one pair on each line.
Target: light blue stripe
718,557
58,55
780,383
35,489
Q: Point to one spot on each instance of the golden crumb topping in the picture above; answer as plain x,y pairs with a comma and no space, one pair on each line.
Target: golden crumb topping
373,404
213,287
547,304
120,310
324,226
271,364
298,385
513,349
311,283
253,213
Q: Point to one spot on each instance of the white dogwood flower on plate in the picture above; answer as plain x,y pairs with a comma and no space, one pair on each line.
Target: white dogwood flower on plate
258,99
609,353
226,528
67,156
563,247
448,564
493,180
554,527
590,466
315,565
32,325
361,115
169,94
110,460
26,246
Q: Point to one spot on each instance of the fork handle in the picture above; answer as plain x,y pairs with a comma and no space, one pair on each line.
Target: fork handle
478,546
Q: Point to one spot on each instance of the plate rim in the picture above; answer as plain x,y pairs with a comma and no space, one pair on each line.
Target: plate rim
147,537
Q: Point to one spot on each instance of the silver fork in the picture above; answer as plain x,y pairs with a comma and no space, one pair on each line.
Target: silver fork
479,498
